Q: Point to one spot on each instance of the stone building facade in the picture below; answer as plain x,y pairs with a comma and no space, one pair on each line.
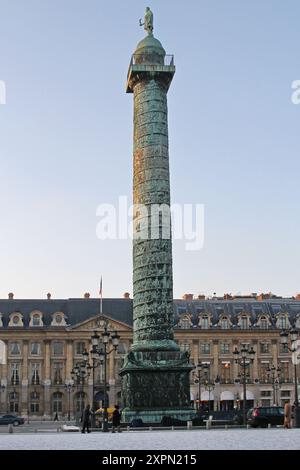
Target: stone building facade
42,340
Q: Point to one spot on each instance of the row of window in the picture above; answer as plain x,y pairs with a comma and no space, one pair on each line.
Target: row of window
36,319
57,373
205,348
35,348
225,371
224,322
57,348
226,347
35,399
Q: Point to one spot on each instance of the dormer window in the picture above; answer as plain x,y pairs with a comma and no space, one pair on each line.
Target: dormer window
244,322
36,318
15,320
264,323
283,322
204,322
58,319
185,322
224,323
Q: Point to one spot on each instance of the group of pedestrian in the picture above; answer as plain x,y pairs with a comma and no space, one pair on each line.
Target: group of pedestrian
86,417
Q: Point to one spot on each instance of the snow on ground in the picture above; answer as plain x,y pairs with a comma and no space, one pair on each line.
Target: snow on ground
235,439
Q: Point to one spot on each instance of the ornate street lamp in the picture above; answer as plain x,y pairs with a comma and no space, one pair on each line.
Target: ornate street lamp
275,380
69,388
79,373
209,386
99,354
244,358
201,371
293,335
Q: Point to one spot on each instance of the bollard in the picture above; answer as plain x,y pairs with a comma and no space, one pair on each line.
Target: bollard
173,428
208,424
226,426
269,425
128,428
248,426
150,429
10,429
189,424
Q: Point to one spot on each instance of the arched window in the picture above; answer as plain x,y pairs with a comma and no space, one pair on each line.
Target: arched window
244,322
57,402
224,323
264,323
204,322
185,322
58,319
15,319
36,318
14,402
282,322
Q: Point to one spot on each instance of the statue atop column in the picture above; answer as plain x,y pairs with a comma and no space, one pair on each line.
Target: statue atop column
148,21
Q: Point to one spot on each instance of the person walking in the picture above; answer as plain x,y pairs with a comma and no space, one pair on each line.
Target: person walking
116,419
55,417
287,415
86,419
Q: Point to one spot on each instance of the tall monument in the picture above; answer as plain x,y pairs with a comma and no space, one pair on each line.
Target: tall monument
155,373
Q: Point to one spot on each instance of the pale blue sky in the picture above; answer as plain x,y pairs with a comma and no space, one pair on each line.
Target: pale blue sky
66,142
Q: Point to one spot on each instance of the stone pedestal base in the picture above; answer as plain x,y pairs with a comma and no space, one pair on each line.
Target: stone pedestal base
156,384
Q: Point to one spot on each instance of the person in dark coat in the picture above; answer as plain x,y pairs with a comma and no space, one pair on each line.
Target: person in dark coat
86,419
116,419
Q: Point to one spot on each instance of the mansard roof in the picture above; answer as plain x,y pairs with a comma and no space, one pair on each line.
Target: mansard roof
233,308
75,310
120,309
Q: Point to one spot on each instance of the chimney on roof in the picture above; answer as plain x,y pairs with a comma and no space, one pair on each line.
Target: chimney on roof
227,297
87,295
201,297
48,296
10,295
188,296
126,295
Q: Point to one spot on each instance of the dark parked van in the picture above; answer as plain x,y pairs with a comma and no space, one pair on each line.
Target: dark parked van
264,415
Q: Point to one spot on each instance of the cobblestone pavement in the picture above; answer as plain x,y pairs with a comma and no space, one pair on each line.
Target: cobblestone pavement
228,439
